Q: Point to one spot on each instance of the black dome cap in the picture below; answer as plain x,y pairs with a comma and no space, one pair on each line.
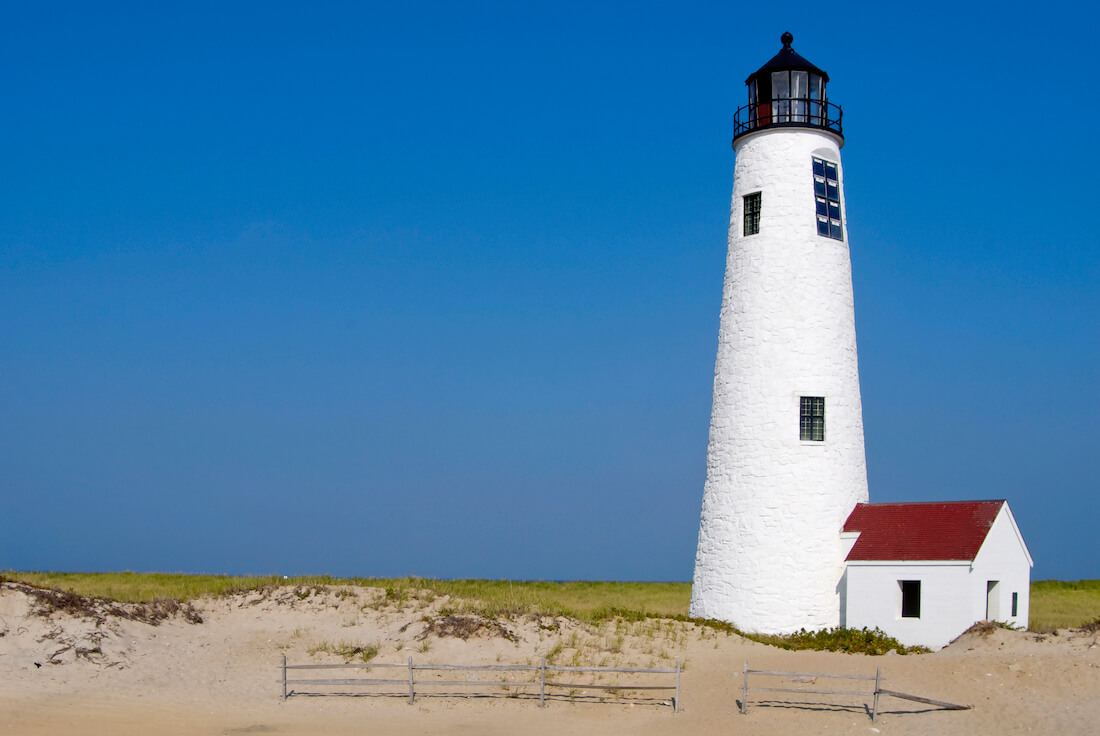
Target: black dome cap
787,59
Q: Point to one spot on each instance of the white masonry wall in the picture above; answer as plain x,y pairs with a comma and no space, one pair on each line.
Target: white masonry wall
874,600
953,593
770,557
1003,557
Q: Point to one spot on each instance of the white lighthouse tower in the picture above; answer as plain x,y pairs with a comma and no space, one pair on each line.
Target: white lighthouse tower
786,463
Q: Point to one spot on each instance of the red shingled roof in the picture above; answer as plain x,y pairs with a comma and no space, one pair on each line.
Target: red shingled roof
920,531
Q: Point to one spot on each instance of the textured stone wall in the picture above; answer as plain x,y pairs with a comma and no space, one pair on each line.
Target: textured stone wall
769,556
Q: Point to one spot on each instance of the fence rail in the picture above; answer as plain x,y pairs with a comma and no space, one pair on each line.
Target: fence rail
877,679
410,682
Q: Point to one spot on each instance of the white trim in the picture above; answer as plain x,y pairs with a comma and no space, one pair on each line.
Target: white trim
908,563
1019,536
837,138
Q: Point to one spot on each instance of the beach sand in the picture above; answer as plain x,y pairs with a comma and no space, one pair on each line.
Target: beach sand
100,673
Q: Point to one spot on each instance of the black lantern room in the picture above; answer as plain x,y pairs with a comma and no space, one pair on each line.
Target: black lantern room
788,91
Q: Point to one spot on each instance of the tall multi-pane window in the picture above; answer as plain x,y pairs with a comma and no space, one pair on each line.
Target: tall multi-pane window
827,193
752,214
811,421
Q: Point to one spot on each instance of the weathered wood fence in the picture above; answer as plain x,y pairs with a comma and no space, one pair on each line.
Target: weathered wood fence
409,683
810,676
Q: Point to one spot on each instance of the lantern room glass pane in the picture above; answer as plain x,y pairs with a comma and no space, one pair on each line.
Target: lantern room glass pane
800,85
781,97
799,91
754,102
817,92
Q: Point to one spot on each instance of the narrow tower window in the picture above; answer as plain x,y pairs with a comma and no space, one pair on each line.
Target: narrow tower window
910,598
811,420
752,214
827,193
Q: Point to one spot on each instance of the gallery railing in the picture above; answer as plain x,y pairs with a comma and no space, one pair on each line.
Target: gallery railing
788,112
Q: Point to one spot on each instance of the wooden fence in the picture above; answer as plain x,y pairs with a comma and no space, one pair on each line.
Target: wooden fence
409,683
811,676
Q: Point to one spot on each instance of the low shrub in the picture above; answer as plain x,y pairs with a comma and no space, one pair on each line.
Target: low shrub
839,639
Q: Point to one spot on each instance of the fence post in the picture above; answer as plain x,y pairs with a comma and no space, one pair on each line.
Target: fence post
745,691
284,677
878,688
542,683
676,700
412,692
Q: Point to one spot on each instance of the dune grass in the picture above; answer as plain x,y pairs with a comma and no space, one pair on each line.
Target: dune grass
1055,604
141,587
1062,604
582,600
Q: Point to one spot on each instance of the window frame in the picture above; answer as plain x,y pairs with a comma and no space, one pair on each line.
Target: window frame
750,216
910,599
811,418
828,213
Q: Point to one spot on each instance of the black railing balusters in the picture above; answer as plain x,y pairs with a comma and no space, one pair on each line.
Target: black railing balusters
785,112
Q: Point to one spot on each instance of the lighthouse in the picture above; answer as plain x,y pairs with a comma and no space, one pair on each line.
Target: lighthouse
785,461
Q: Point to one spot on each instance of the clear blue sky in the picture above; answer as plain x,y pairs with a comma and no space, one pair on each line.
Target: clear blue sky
433,289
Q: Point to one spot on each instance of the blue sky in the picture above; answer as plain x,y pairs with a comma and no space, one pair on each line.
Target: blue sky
364,289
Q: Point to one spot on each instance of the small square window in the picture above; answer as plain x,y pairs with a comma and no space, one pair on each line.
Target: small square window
910,598
811,419
752,214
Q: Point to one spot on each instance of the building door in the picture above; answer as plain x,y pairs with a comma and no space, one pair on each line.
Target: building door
993,600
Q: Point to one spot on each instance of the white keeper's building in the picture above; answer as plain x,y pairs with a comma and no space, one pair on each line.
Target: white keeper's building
925,572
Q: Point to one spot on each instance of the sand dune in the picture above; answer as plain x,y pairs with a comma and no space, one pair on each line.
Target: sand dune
129,669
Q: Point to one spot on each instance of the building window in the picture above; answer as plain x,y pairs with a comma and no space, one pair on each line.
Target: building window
910,598
827,193
1015,604
752,214
811,420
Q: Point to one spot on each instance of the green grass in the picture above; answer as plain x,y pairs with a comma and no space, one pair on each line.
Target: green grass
853,641
137,587
582,600
1063,604
1054,603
